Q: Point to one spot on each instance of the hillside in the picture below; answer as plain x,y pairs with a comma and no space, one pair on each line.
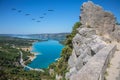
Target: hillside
45,36
10,66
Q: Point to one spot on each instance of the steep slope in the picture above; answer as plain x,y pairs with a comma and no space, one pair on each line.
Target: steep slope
98,30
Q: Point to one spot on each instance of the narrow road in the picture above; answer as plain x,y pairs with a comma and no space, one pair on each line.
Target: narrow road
25,66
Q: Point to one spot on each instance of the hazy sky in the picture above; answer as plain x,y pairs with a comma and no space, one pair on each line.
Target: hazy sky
65,14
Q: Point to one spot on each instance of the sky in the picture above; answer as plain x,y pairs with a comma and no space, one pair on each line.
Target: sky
65,13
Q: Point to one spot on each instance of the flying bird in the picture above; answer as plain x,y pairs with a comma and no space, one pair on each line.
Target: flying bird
50,10
13,9
41,17
33,18
19,11
27,14
38,21
44,13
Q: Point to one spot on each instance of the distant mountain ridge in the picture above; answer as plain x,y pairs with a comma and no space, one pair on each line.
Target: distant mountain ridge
44,36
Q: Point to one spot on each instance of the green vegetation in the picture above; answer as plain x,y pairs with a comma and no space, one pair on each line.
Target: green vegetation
69,37
10,67
105,75
88,26
17,42
117,23
60,67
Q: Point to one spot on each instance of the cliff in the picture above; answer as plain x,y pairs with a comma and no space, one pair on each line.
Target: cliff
93,45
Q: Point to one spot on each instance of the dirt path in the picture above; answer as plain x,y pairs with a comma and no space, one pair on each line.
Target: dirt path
113,70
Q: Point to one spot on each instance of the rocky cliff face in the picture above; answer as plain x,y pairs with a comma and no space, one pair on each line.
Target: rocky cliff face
86,44
94,16
98,28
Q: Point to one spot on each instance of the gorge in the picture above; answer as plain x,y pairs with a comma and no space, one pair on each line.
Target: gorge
90,52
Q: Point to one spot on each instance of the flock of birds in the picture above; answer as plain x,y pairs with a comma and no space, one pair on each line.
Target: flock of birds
34,19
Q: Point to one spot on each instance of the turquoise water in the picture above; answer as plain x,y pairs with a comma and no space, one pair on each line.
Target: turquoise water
47,52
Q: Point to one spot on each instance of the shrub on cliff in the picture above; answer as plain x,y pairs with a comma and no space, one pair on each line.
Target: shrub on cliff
60,67
69,37
74,30
66,52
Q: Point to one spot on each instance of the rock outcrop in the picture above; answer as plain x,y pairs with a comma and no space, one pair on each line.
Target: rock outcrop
94,16
86,44
97,30
96,67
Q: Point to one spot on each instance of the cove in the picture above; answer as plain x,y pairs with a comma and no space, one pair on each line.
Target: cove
47,53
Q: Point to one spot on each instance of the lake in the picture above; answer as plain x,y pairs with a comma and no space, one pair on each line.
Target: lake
47,53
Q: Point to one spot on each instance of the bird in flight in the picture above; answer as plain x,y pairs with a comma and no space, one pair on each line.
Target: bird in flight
41,17
50,10
38,21
44,13
33,18
19,11
13,9
27,14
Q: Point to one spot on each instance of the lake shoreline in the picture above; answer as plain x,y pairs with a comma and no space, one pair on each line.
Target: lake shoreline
34,53
48,49
30,48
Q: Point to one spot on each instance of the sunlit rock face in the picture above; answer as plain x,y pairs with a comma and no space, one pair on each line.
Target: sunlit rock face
90,39
94,16
85,45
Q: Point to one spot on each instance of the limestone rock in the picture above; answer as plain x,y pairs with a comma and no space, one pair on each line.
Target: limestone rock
95,68
72,60
116,34
79,63
84,50
86,32
90,39
85,44
77,41
72,71
94,16
85,60
96,44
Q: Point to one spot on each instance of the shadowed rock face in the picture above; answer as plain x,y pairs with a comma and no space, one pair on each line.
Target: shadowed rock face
94,16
